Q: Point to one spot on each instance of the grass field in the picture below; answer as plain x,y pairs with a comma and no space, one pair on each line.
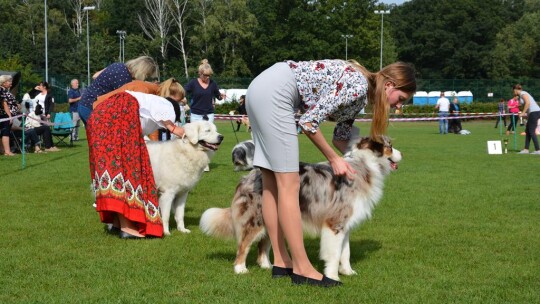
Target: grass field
456,225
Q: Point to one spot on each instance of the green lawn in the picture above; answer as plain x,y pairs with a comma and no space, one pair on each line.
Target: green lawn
455,225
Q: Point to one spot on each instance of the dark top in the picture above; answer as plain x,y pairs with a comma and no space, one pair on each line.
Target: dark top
110,79
454,108
176,107
72,94
242,109
201,99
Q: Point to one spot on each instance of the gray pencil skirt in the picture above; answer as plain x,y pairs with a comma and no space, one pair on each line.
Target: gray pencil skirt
271,100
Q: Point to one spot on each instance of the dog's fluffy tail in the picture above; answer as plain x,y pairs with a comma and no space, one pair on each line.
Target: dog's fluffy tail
217,222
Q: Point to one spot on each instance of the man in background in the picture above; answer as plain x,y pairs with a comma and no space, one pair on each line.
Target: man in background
74,95
443,104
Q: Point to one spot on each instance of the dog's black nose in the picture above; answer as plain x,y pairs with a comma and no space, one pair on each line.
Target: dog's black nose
220,138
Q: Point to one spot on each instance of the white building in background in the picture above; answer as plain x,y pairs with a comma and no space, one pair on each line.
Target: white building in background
231,95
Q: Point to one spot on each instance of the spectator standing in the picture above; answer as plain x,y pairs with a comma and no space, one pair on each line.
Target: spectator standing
8,109
327,88
455,123
202,91
501,113
443,104
46,99
74,95
242,111
532,111
513,109
113,77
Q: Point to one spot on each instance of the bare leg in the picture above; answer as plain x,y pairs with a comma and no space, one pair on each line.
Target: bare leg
5,143
128,226
290,220
270,215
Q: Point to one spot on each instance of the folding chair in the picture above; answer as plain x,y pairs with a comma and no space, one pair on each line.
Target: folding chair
62,128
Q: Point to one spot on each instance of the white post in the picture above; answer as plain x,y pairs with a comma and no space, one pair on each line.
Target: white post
86,9
46,47
382,13
346,37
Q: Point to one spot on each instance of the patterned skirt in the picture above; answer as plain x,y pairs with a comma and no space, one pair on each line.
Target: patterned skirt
120,168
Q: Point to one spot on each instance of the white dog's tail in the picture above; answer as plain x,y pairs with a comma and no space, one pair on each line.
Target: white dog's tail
217,222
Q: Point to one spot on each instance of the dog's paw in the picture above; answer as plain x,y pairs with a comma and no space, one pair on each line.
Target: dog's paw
240,269
265,263
347,271
166,232
184,230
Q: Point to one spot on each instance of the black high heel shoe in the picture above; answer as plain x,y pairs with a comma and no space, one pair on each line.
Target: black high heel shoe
324,282
280,272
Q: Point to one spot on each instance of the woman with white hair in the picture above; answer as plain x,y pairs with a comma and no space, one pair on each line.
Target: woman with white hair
8,109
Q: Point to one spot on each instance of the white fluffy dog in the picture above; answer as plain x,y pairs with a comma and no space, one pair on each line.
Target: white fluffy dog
178,165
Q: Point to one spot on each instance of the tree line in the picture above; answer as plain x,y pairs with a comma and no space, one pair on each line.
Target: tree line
444,39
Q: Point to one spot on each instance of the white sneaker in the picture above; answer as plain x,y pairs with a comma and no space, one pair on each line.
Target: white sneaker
536,152
523,152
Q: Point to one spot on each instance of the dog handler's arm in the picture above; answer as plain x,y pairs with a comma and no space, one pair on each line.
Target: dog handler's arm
525,106
339,165
174,129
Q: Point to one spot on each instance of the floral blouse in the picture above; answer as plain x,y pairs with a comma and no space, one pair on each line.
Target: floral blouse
6,96
329,89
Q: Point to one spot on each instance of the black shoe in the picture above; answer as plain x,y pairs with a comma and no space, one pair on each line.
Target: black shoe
126,236
280,272
324,282
109,228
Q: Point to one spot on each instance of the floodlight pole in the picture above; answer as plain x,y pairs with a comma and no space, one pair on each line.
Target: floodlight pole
382,13
122,36
346,37
86,9
46,47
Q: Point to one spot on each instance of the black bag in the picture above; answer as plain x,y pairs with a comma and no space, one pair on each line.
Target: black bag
39,109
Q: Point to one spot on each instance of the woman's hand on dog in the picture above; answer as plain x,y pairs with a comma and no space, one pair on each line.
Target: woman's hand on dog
342,167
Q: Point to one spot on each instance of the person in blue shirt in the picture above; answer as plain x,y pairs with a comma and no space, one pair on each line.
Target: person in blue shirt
202,91
74,95
113,77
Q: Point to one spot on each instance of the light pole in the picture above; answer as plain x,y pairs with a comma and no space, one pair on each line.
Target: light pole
46,47
382,13
86,9
122,36
346,37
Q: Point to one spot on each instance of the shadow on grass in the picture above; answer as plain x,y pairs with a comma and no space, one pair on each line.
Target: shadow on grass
40,163
360,250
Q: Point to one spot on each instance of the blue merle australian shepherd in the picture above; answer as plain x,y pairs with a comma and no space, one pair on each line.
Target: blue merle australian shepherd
331,206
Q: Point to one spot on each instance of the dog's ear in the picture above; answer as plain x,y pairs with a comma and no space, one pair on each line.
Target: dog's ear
191,131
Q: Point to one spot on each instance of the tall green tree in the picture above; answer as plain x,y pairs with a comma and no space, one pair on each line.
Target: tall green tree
451,38
517,51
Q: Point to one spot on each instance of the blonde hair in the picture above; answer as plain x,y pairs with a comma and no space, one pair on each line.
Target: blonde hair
404,79
5,78
171,87
205,68
142,68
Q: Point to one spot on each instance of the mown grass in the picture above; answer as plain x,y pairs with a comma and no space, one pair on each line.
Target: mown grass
455,225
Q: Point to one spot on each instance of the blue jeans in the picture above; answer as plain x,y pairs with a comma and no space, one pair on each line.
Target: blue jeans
197,117
443,122
84,113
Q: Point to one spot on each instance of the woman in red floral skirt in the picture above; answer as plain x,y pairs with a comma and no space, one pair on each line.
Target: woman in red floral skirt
126,194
